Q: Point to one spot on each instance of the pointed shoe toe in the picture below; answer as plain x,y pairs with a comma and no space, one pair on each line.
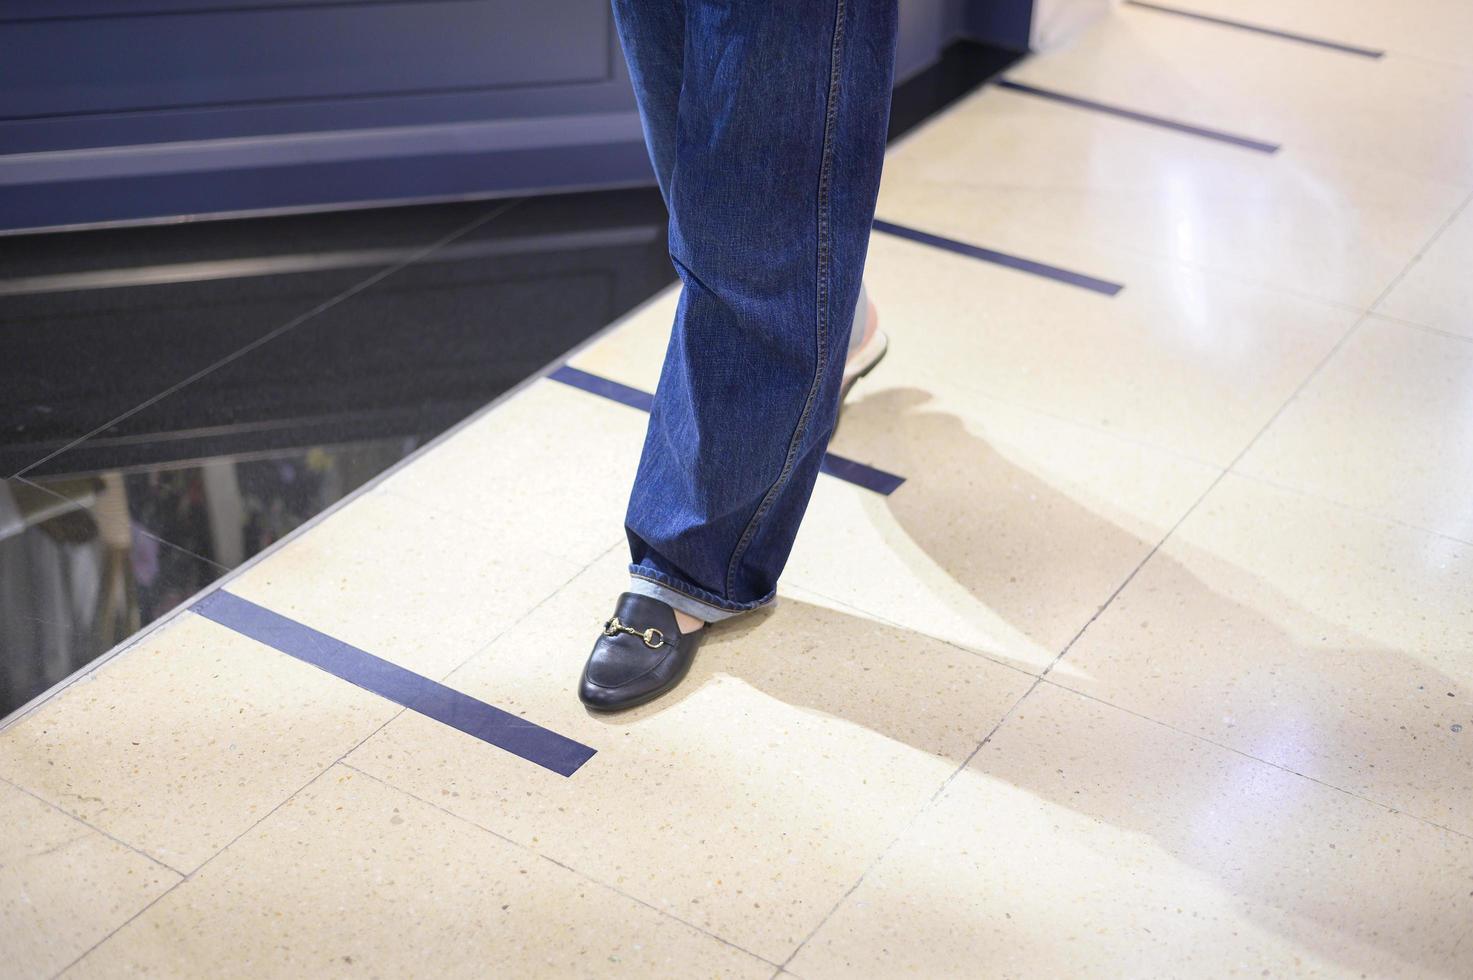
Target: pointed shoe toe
639,655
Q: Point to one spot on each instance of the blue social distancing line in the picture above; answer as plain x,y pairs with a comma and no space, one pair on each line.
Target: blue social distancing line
851,471
430,698
1260,29
487,722
1029,266
1079,102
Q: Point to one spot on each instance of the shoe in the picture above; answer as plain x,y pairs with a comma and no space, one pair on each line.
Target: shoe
863,361
641,655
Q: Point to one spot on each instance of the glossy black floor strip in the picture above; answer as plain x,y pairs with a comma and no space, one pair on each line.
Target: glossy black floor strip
1064,98
963,67
1029,266
188,272
1257,29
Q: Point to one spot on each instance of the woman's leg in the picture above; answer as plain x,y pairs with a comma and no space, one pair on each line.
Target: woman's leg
652,34
770,172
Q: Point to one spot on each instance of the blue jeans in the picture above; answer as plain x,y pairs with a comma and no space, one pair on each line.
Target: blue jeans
766,122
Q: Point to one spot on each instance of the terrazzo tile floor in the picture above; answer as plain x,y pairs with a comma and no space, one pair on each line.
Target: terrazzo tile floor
1159,662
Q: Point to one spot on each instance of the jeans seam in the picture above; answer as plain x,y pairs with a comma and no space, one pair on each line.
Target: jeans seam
823,297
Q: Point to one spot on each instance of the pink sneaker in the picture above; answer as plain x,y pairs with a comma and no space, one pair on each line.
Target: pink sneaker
870,352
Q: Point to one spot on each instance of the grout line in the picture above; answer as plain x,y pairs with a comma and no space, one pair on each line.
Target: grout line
270,335
913,630
1206,493
1438,331
1259,759
1232,465
1042,678
900,834
1420,254
90,826
554,593
1370,515
187,876
206,862
554,861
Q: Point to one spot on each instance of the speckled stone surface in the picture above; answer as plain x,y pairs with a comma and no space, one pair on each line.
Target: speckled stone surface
1330,642
1055,183
1157,665
1225,354
378,570
350,877
1383,428
748,800
1011,531
63,885
552,449
1086,841
1436,291
1320,104
181,743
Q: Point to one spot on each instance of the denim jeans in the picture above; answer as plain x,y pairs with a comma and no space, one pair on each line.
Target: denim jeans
766,122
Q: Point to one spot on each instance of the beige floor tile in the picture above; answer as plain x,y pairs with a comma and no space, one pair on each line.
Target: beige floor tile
745,802
1404,114
1434,29
1084,841
1010,532
1225,355
63,885
550,449
351,877
412,584
1305,634
1070,187
181,743
1437,290
1387,427
987,479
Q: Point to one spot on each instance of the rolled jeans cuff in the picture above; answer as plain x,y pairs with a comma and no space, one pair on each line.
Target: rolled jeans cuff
687,598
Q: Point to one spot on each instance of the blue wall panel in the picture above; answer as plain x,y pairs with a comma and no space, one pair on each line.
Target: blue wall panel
115,111
174,61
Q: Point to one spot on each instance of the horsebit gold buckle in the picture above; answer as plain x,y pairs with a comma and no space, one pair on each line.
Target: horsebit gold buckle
652,637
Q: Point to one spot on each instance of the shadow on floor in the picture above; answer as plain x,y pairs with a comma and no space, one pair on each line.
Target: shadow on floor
1254,853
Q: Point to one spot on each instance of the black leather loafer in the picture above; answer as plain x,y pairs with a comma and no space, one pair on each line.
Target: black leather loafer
641,655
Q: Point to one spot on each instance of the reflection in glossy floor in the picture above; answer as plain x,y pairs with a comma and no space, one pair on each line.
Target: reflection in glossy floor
1158,664
176,399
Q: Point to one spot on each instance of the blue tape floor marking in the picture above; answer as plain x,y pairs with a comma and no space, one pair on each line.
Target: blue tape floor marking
1258,29
848,470
430,698
1142,117
1001,258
